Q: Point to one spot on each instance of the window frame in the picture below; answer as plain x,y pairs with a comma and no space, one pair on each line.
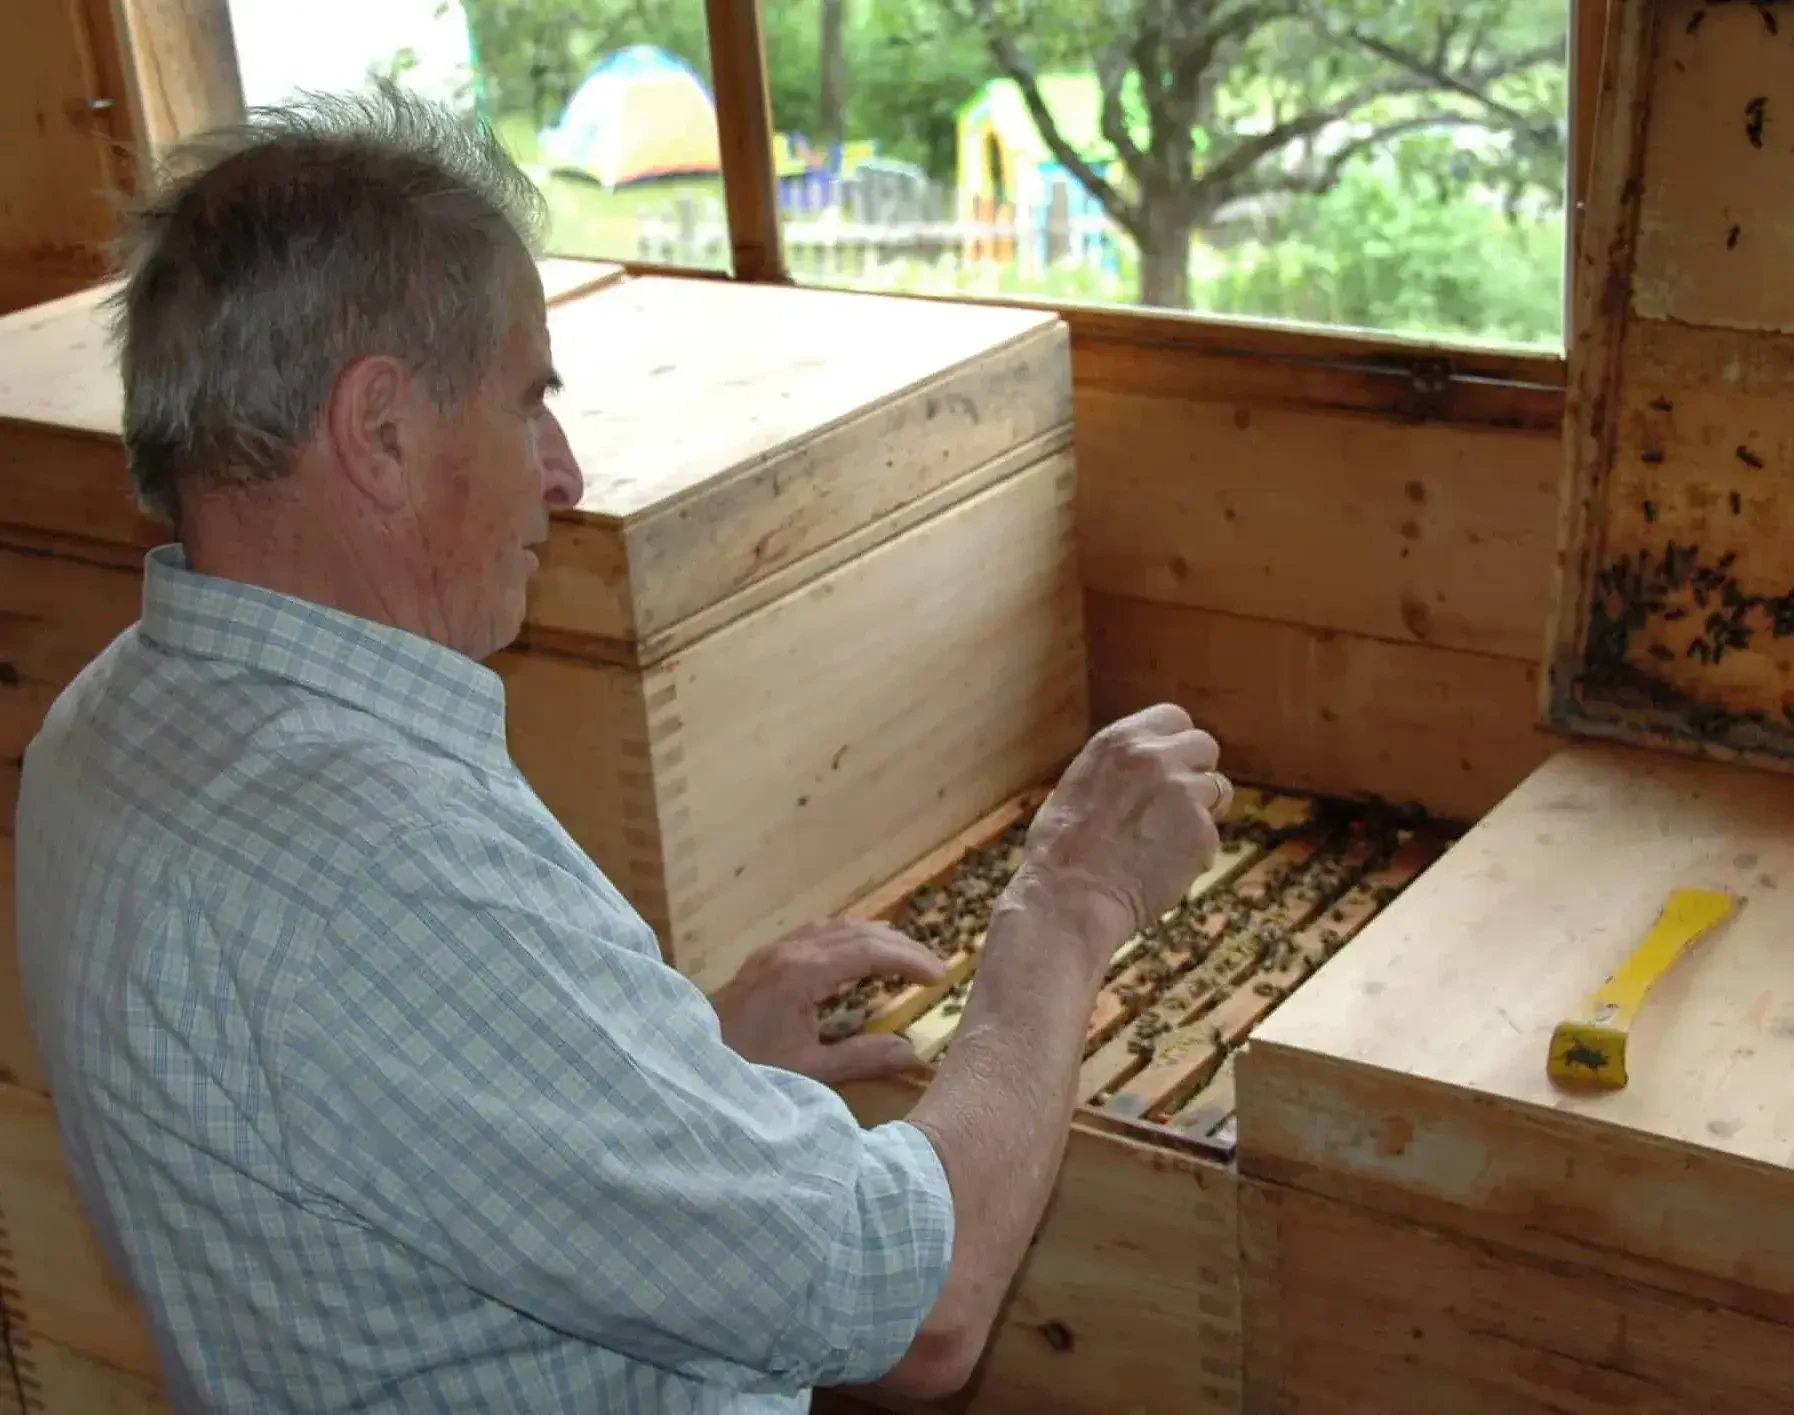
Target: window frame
181,56
737,55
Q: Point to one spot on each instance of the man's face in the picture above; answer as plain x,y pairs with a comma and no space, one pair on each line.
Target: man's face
498,466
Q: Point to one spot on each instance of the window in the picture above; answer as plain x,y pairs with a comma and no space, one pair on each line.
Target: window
1314,166
606,103
1400,169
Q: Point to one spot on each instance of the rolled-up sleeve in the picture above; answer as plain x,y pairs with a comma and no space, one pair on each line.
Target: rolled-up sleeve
491,1070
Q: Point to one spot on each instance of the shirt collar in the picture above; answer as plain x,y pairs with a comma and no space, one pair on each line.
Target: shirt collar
423,688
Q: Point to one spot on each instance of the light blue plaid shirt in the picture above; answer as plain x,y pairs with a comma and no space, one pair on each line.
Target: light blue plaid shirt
375,1087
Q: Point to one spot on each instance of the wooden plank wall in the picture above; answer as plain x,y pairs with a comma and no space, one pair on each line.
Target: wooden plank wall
1441,1321
1347,585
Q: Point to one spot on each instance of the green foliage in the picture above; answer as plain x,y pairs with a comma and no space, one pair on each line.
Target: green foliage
1399,252
910,69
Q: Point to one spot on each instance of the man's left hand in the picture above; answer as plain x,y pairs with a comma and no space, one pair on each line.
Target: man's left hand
769,1009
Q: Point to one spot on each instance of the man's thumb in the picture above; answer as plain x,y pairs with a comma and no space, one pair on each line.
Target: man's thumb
867,1057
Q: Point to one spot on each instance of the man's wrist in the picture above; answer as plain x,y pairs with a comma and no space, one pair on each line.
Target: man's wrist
1064,915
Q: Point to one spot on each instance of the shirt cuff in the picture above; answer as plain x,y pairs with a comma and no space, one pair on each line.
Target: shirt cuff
890,1265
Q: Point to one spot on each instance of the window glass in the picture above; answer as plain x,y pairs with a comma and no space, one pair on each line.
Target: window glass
606,103
1399,168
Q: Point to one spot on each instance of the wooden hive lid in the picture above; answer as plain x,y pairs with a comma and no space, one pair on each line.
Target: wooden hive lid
56,368
1410,1071
739,439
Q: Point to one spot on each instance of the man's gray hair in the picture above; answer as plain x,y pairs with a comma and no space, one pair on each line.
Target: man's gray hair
274,254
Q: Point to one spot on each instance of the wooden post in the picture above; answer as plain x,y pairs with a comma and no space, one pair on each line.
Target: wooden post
744,133
1591,23
1058,243
182,58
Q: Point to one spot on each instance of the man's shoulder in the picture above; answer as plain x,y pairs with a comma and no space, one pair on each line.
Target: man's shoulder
210,755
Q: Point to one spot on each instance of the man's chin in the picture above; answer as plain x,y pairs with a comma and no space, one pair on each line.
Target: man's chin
505,635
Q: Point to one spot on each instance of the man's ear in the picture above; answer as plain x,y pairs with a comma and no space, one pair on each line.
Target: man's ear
371,421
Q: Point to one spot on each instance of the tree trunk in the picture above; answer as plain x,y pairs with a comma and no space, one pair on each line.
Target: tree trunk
1165,231
833,95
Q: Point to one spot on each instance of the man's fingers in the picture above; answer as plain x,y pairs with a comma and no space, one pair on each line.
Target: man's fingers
1210,790
1208,843
851,949
1194,749
1166,718
870,1056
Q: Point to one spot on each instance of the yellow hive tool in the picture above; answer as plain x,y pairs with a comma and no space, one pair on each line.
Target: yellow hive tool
1589,1049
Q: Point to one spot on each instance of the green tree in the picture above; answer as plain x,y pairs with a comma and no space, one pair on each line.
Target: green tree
1393,247
831,93
1209,104
907,70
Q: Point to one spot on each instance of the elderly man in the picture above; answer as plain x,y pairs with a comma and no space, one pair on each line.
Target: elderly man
377,1091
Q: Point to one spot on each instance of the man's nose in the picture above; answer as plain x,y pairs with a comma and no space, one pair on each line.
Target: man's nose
563,484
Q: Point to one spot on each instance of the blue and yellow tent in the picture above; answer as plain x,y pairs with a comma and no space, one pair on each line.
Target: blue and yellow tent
639,114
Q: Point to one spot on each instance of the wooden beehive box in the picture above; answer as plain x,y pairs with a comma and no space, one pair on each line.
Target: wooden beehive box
1130,1298
820,607
1429,1221
818,610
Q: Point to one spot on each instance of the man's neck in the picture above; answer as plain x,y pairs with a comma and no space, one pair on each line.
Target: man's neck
270,541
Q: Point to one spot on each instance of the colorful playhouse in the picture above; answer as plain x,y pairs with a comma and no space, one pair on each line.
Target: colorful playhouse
640,114
1005,165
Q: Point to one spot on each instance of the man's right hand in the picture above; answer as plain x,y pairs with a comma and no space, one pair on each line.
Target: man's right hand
1127,828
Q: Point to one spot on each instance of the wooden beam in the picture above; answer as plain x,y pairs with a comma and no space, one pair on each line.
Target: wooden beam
1594,25
744,132
182,58
1393,356
112,113
1588,51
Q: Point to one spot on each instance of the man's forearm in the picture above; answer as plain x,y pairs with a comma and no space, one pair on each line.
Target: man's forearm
997,1113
